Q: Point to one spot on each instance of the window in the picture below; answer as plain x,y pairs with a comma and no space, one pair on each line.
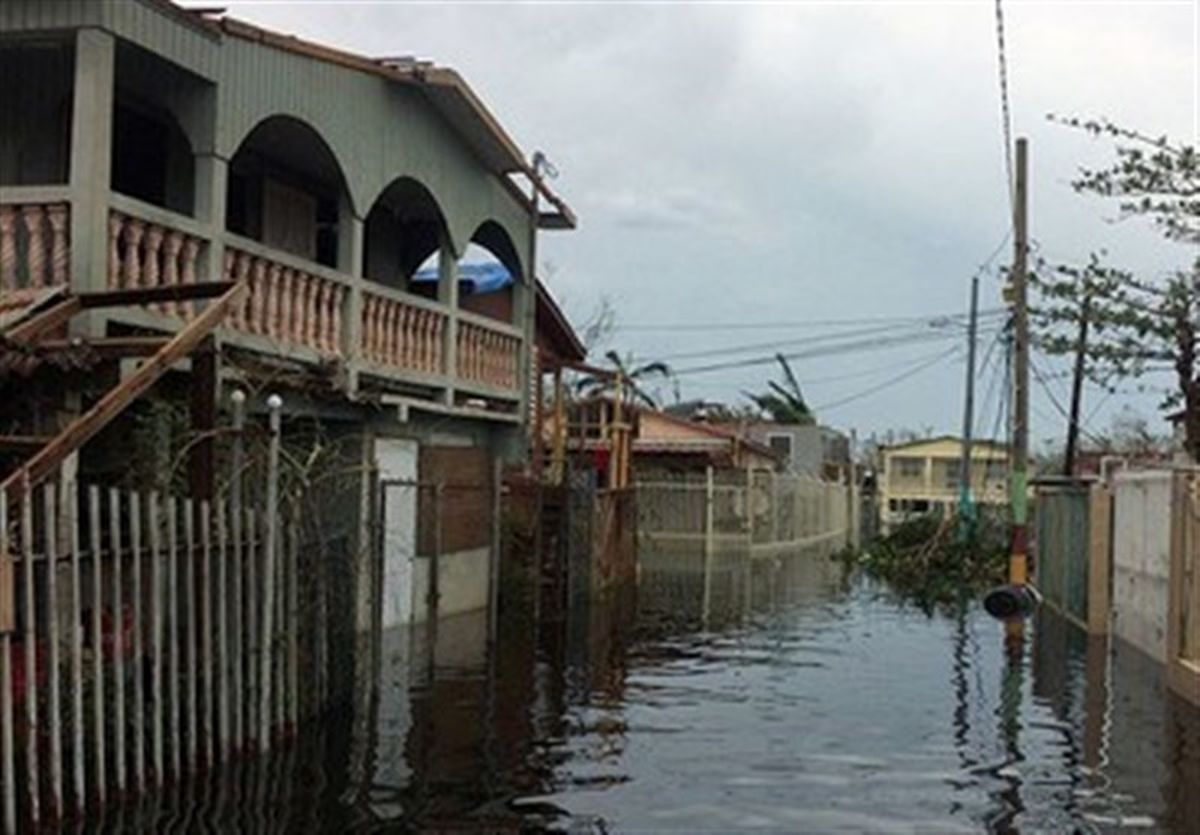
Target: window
781,445
951,473
908,468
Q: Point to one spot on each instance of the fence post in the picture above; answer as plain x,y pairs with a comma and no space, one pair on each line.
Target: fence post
274,404
238,400
31,725
8,770
709,532
70,494
1099,559
54,706
222,633
95,546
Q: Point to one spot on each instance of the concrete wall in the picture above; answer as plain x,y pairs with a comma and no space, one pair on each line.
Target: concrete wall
1141,559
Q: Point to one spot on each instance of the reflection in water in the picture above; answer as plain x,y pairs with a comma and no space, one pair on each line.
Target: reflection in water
806,703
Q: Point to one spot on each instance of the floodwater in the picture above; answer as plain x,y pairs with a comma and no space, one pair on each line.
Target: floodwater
815,704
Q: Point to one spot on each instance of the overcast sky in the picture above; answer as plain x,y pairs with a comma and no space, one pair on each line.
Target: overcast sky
799,162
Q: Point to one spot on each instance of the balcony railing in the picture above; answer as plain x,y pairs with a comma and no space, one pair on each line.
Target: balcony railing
291,301
35,249
403,332
488,354
151,247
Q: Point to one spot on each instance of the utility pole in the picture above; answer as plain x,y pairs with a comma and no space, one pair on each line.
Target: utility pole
1018,570
1085,312
966,508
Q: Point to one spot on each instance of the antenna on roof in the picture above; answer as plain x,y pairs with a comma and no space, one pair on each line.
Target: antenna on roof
543,166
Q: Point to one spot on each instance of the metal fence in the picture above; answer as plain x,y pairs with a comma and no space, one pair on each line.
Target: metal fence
150,637
1063,547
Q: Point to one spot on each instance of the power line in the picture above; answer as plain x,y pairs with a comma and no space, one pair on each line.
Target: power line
775,345
889,383
849,347
777,324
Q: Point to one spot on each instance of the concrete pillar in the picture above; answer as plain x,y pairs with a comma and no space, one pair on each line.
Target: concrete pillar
448,295
350,262
90,169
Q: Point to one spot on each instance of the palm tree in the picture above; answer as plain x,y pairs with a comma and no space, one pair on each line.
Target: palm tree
784,403
629,381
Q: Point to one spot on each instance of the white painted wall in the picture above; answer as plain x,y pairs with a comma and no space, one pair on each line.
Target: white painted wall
396,459
1142,559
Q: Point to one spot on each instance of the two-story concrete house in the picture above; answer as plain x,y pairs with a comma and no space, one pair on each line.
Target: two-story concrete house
923,477
143,144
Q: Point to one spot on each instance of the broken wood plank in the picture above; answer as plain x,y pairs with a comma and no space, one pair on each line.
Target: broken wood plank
113,347
150,295
45,322
108,407
23,443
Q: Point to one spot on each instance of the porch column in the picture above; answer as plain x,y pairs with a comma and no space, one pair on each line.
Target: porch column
91,163
350,263
448,295
212,177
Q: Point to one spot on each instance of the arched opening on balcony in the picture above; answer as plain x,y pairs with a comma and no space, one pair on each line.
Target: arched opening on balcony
403,236
489,273
286,190
153,153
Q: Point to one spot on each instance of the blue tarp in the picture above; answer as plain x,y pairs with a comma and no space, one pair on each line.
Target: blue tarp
484,278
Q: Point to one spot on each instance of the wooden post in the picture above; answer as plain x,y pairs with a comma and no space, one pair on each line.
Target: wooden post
274,404
204,419
114,539
8,768
32,774
206,630
253,553
239,551
139,649
292,578
156,634
174,651
709,533
54,704
96,546
70,506
1018,568
223,670
190,671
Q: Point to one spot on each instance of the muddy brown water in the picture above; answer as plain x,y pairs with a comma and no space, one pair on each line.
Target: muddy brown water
816,704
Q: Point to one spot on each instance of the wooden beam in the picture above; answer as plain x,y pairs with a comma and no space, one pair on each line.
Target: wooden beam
48,320
204,419
23,443
150,295
111,347
77,433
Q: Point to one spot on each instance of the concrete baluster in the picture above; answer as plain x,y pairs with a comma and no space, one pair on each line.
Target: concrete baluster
35,258
59,253
258,296
134,229
169,274
116,222
8,248
335,338
191,250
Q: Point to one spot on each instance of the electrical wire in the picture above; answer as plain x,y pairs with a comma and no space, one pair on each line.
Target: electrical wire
867,320
889,383
849,347
776,345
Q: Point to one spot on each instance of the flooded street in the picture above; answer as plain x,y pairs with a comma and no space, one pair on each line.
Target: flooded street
827,705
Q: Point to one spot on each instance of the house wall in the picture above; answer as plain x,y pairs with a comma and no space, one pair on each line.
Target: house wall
1141,559
808,446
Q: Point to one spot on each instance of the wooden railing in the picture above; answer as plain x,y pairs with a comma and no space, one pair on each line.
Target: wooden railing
151,247
488,355
403,333
35,249
291,300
